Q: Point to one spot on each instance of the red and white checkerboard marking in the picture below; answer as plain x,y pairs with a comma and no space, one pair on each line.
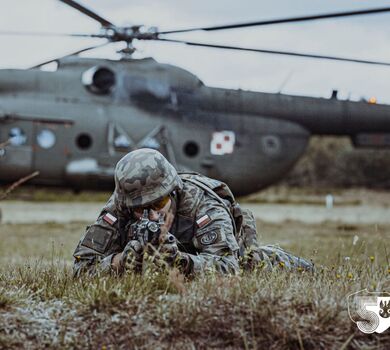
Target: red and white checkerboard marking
222,142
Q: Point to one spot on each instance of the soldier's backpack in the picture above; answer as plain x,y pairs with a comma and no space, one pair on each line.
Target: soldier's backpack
245,228
218,190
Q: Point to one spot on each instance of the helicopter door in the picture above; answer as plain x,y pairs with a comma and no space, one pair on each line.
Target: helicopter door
16,156
51,149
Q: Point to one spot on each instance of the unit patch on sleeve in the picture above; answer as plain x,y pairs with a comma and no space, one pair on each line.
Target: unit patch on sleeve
203,221
111,219
208,238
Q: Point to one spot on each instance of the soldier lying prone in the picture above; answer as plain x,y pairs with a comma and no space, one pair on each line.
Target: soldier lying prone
185,220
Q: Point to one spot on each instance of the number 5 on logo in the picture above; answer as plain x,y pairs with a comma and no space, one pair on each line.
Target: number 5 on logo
370,311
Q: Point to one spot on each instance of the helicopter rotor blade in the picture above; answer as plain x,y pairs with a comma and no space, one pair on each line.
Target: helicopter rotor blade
88,12
6,33
70,54
275,52
283,20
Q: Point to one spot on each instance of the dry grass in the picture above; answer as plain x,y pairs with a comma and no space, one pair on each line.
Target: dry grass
46,194
42,306
334,162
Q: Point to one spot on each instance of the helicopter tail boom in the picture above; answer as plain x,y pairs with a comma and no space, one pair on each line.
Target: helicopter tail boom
367,123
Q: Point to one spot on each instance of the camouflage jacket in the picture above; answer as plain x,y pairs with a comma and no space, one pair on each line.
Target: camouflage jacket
203,226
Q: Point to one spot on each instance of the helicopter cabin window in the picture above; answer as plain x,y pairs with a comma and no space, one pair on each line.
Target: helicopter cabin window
271,145
17,137
46,139
84,141
191,149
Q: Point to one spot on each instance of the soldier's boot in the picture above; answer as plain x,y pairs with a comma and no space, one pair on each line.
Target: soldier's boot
279,257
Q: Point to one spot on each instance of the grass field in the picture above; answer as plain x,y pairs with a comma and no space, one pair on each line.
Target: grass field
41,305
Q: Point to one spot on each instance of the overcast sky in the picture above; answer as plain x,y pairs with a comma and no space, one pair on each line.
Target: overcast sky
360,37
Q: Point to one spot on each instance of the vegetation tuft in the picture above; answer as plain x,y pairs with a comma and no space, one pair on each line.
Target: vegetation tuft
331,162
41,305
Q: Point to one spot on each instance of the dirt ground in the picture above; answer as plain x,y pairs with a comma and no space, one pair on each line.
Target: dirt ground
275,206
42,306
298,220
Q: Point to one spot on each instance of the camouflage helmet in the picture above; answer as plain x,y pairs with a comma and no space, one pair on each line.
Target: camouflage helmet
144,176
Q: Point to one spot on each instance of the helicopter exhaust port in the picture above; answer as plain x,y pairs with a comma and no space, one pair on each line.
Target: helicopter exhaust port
99,80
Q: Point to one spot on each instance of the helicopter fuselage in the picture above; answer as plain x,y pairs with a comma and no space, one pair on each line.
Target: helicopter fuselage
74,124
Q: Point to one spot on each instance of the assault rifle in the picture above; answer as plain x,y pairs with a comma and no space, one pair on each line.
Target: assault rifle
146,231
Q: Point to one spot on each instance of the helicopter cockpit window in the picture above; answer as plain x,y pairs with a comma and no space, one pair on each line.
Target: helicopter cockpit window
84,141
17,137
46,139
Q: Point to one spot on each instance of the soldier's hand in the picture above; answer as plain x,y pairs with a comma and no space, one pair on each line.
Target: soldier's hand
132,256
167,254
168,248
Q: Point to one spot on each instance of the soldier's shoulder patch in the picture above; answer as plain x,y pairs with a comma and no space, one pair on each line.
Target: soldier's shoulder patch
109,218
97,238
203,221
209,238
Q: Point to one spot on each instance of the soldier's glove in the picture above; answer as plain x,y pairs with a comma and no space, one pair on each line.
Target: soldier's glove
168,253
168,249
132,256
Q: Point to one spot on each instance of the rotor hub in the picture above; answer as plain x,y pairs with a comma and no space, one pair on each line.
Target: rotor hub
128,34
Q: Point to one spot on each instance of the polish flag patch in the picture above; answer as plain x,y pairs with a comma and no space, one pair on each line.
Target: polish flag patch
111,219
203,221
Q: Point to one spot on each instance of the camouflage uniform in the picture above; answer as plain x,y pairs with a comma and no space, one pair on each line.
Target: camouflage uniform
211,231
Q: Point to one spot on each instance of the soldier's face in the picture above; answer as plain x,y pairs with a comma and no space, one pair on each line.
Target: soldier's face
154,213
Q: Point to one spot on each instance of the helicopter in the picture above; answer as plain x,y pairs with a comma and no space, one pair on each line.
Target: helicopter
74,124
